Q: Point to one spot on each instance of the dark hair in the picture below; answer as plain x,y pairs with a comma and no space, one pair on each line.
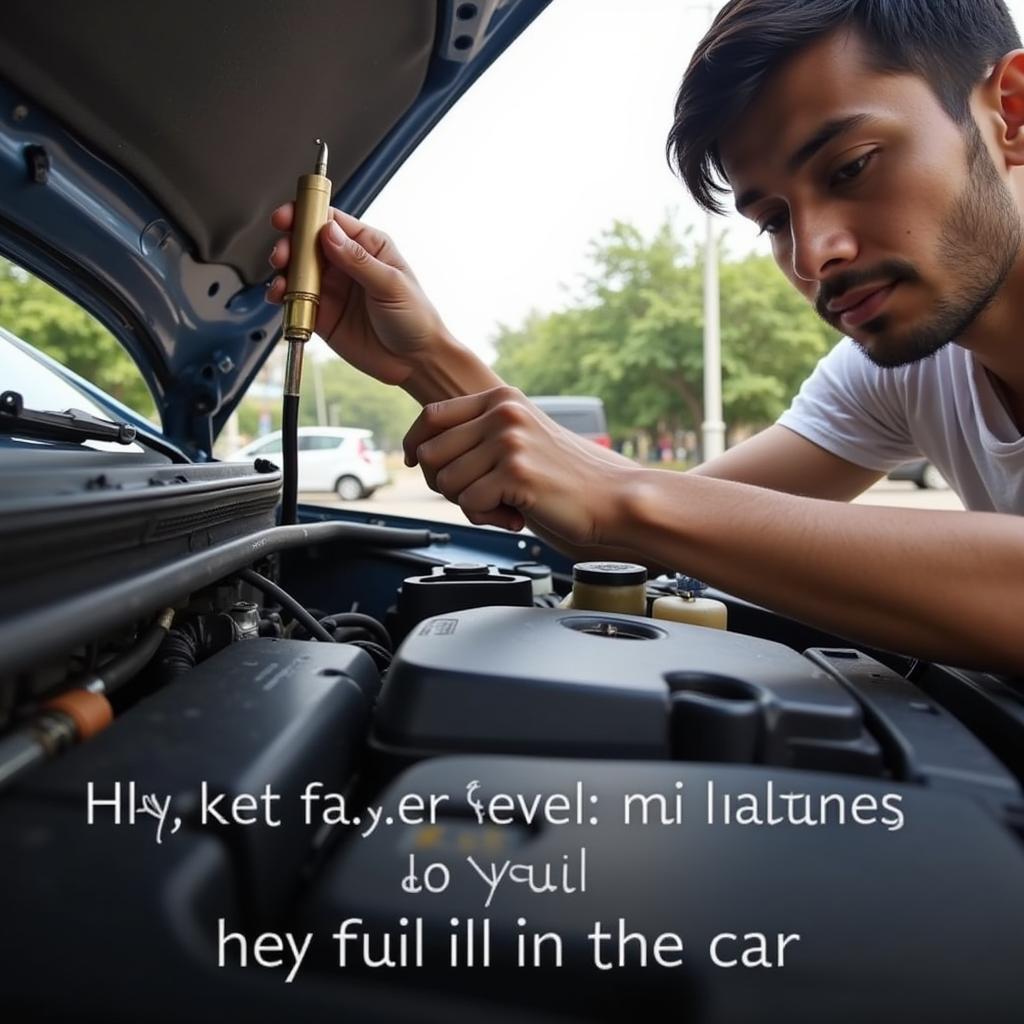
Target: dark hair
949,43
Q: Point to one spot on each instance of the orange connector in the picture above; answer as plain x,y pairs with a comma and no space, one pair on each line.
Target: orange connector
90,712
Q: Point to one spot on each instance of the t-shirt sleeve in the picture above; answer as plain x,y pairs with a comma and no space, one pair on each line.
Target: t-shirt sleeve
852,408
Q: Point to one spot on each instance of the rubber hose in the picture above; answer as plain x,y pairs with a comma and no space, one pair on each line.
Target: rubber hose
179,653
367,622
124,667
285,600
380,655
290,457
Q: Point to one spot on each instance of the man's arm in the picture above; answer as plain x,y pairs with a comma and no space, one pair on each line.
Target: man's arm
942,585
946,586
781,460
777,459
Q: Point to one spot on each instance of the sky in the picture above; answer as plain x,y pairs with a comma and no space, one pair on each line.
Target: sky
561,136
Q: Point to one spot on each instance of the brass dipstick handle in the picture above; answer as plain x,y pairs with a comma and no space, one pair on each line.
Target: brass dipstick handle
305,267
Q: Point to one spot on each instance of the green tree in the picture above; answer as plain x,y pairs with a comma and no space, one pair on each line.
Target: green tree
57,326
771,340
634,336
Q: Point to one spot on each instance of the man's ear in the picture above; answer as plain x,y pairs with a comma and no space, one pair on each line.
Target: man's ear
1003,95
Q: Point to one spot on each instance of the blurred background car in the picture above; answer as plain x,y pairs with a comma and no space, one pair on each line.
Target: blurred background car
582,414
922,473
340,459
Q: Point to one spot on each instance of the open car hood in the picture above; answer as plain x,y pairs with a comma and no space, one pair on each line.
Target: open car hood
141,153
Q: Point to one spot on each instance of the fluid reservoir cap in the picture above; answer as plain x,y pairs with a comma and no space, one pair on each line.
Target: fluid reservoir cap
609,574
465,569
539,576
534,570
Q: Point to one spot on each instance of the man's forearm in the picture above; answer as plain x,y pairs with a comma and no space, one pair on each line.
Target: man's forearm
449,370
947,586
579,553
593,553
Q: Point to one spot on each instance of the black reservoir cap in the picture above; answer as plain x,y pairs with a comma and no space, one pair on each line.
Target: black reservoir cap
456,587
533,570
609,574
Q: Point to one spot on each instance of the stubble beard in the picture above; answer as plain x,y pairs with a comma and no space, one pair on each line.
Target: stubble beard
980,241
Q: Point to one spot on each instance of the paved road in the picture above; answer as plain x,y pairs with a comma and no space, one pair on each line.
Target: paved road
410,496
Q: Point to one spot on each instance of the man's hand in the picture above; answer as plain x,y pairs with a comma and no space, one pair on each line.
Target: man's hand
507,464
374,314
372,310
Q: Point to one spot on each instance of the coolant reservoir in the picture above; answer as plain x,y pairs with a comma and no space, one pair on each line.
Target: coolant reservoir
614,587
689,605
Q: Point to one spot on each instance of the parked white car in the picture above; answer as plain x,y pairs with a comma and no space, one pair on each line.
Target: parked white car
340,459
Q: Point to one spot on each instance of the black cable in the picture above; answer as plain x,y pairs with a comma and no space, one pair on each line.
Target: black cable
346,634
179,653
193,641
381,655
290,457
285,600
114,674
366,622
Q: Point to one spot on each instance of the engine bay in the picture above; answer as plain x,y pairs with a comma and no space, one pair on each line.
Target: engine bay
222,737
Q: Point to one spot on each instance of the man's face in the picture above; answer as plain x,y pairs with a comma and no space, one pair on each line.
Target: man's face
887,216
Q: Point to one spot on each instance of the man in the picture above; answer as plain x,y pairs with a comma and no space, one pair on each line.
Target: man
880,144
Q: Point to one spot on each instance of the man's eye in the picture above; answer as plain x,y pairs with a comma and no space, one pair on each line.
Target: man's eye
851,170
773,225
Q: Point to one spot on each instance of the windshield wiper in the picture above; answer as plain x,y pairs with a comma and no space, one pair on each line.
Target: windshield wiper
70,425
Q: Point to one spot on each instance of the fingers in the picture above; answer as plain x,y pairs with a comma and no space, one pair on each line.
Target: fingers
379,279
451,477
472,482
374,241
276,289
281,218
503,516
472,450
444,448
482,504
459,475
281,253
441,416
359,252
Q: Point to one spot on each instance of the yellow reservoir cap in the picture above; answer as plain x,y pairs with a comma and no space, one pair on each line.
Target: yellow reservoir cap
613,587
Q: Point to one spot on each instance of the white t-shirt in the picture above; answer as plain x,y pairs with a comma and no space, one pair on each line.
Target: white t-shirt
944,408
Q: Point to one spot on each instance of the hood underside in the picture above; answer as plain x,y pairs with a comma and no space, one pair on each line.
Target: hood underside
213,107
143,146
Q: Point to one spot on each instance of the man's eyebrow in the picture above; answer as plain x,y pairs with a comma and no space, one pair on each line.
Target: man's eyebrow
821,138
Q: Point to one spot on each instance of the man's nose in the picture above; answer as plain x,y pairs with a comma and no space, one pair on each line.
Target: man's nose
821,241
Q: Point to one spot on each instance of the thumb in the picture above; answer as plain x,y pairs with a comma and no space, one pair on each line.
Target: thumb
504,516
365,269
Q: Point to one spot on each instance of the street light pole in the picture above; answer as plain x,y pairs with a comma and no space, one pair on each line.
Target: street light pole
713,427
